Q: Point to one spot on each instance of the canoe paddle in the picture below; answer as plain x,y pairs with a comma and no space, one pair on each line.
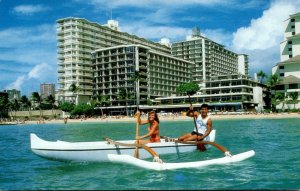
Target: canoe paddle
136,153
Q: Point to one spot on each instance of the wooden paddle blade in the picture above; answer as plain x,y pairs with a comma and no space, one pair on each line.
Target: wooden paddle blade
201,147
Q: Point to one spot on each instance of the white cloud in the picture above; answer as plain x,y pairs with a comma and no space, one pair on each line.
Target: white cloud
16,84
29,9
40,73
262,38
266,31
25,52
11,37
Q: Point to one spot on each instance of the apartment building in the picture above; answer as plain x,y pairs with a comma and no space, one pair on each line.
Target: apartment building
77,38
211,58
288,69
46,90
160,74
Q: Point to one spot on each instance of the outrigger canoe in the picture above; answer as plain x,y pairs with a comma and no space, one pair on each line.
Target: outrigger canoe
103,151
122,152
159,166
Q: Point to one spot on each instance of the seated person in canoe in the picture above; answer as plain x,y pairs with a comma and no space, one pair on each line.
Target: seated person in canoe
153,129
203,122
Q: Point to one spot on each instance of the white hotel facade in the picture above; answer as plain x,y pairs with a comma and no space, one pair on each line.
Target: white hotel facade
94,58
288,69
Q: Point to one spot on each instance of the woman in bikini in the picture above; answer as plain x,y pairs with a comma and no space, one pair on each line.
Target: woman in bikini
153,129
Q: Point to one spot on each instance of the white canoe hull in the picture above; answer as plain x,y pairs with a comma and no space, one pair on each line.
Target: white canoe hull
98,151
127,159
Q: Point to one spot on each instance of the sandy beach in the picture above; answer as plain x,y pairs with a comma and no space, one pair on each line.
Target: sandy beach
172,118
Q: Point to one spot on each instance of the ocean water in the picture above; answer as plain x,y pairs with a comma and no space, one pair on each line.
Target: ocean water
276,164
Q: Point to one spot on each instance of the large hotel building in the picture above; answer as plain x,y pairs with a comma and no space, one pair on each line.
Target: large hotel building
288,69
100,60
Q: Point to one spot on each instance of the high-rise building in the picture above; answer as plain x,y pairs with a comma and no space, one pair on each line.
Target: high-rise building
288,69
211,59
159,73
77,38
47,89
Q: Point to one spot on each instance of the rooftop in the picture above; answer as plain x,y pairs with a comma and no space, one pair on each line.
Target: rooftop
290,80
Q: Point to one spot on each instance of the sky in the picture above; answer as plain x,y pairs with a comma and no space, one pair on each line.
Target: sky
28,52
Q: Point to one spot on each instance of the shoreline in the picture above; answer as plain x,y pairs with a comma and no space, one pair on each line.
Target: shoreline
169,118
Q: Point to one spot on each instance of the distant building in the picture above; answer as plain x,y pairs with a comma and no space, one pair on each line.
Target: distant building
288,69
210,58
13,94
46,90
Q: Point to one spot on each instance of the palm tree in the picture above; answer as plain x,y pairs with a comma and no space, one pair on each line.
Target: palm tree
102,101
294,97
37,99
50,99
271,83
136,78
280,98
261,76
4,105
74,89
26,104
124,95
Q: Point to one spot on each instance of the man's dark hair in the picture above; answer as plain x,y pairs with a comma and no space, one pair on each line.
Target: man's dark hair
204,106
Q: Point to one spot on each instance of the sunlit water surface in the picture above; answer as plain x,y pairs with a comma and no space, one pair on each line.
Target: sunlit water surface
276,164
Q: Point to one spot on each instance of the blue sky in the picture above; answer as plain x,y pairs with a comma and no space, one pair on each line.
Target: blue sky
28,53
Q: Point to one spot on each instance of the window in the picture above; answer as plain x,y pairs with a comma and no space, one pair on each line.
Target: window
293,26
293,33
280,87
281,74
289,42
290,49
281,67
290,56
292,20
293,86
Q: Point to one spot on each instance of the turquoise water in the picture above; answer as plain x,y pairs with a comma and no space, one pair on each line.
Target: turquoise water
276,164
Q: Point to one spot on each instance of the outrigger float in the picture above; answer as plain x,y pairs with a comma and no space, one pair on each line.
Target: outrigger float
123,152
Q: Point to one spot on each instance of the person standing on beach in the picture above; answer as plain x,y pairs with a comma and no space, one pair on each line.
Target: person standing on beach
203,122
153,129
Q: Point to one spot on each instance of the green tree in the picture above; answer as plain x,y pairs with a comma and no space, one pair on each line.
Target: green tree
136,77
24,101
74,89
188,89
261,76
280,98
36,98
82,109
271,83
66,106
51,100
4,103
123,95
294,98
103,101
26,104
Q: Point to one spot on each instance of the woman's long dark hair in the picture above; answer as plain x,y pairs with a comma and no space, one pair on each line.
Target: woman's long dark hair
155,114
